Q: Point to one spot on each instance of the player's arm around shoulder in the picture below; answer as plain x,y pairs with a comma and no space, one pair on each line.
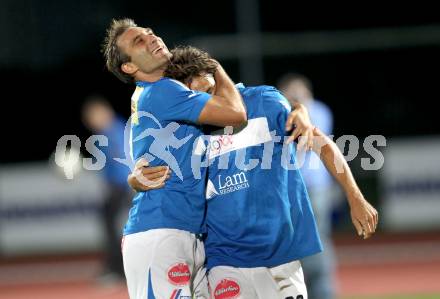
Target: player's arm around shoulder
225,107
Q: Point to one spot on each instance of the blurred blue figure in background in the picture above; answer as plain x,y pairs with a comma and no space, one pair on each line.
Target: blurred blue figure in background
101,119
319,269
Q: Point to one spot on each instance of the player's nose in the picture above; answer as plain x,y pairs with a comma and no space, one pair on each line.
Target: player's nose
151,39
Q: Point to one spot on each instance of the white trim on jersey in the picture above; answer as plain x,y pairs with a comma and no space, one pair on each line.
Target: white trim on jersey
181,84
134,116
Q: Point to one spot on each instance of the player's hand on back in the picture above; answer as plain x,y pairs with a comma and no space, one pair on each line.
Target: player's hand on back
144,177
303,131
363,215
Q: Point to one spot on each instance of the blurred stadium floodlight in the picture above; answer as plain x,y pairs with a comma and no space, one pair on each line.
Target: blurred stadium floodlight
69,161
229,46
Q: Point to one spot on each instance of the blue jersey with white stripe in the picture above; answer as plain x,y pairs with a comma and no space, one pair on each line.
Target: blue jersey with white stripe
258,216
164,128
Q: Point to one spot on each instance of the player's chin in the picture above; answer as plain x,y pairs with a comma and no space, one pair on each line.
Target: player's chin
163,56
167,54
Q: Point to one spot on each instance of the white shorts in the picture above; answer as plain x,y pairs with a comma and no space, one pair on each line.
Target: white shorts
282,282
164,264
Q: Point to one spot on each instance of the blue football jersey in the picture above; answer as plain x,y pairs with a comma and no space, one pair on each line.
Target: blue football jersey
259,213
164,128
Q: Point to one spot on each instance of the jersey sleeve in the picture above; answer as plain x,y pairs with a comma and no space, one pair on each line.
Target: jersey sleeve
277,109
176,102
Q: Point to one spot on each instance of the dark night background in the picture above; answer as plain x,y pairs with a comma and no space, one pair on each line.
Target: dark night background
50,61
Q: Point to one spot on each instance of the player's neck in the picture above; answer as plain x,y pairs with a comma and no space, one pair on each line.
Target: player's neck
149,77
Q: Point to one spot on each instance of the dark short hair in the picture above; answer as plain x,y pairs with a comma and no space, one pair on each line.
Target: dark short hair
113,55
188,62
286,79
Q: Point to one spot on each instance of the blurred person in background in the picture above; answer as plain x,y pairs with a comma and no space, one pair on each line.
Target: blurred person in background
100,118
319,269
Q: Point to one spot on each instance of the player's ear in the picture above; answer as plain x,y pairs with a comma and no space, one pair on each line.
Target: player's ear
188,82
129,68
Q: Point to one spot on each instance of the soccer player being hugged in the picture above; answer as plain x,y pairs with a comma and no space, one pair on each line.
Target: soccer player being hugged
259,218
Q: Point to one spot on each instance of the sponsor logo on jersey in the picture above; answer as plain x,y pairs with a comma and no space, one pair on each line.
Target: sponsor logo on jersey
255,133
179,274
219,144
227,184
210,190
232,183
227,289
177,294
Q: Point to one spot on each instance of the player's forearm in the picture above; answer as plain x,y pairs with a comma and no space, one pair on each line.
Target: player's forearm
335,163
226,89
